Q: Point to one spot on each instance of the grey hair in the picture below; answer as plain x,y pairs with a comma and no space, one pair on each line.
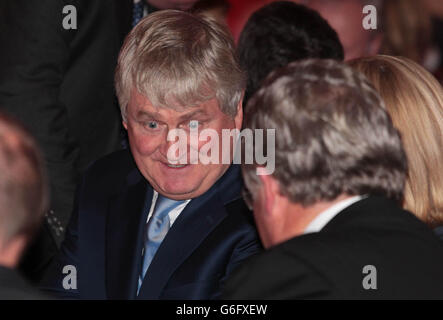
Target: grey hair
333,134
178,59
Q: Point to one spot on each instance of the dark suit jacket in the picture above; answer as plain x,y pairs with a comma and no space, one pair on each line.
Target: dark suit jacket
14,287
439,232
59,83
329,264
211,237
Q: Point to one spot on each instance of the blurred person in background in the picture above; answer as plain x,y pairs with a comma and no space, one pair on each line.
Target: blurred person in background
435,63
414,100
404,27
282,32
435,9
346,18
407,29
241,10
239,13
215,9
23,201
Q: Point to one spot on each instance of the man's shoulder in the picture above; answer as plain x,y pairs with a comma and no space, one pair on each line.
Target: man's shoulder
275,274
228,195
239,218
238,210
404,254
121,162
373,229
327,267
112,170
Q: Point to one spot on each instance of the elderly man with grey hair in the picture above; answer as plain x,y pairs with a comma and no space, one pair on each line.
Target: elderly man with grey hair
329,215
23,201
146,226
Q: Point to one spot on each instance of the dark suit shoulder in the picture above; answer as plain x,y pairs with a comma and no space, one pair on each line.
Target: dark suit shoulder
275,275
373,233
240,222
238,211
376,212
112,171
121,159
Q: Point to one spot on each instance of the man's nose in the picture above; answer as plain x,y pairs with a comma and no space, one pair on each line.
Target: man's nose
165,145
175,147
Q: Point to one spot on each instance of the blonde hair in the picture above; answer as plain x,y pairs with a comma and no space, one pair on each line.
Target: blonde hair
414,99
178,59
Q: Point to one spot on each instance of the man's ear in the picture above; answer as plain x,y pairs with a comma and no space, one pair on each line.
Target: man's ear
125,124
270,189
239,116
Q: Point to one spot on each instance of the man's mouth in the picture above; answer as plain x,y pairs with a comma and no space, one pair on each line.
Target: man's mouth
176,165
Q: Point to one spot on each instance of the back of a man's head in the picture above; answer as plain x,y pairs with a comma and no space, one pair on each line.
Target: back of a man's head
333,134
280,33
23,189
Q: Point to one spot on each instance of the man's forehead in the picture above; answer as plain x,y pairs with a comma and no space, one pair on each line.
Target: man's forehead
159,112
142,104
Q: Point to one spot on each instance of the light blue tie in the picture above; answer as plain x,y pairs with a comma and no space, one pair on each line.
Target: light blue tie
157,228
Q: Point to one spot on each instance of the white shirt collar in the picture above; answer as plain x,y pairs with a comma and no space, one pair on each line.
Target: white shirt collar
327,215
173,214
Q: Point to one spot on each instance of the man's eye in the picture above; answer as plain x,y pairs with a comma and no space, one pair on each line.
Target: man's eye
193,124
152,124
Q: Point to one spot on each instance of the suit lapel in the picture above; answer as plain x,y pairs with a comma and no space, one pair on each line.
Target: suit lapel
192,226
124,229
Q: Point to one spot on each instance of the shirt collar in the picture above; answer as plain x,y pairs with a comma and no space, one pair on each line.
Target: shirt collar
327,215
173,214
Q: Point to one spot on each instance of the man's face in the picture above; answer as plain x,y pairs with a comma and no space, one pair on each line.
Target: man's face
148,128
173,4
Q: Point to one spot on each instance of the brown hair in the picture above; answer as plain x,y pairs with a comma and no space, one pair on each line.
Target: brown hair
414,99
333,135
